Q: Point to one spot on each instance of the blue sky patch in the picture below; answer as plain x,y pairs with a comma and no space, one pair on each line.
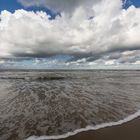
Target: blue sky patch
13,5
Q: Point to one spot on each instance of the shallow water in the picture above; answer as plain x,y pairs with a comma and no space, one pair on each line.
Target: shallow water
56,102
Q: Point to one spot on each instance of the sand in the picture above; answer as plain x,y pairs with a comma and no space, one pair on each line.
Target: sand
126,131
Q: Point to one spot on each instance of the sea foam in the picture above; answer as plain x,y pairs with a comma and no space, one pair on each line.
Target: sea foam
88,128
56,105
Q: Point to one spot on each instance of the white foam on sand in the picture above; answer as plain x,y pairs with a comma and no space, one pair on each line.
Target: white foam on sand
127,119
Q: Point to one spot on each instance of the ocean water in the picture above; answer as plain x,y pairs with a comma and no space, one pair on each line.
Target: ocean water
55,104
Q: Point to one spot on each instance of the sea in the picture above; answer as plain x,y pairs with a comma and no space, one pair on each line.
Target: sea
54,104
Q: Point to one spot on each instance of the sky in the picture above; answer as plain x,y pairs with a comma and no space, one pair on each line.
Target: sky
61,34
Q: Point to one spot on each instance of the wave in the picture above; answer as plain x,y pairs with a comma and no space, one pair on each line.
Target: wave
83,101
103,125
39,78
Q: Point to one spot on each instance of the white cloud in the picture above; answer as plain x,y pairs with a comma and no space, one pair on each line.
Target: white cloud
137,62
2,61
30,34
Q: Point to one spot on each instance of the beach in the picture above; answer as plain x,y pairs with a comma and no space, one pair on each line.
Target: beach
127,131
70,70
40,105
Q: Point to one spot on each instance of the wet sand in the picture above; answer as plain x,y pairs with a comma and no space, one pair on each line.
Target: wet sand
126,131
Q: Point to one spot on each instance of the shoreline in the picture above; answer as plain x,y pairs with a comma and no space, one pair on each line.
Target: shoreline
107,131
127,131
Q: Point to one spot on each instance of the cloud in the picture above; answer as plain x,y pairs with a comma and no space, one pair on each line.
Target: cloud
113,58
112,30
67,6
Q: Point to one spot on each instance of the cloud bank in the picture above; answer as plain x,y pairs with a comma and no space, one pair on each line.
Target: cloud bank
91,31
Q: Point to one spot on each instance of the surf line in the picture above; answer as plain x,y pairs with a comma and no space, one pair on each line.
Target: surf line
88,128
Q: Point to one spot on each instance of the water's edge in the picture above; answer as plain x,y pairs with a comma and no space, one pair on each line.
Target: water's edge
88,128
